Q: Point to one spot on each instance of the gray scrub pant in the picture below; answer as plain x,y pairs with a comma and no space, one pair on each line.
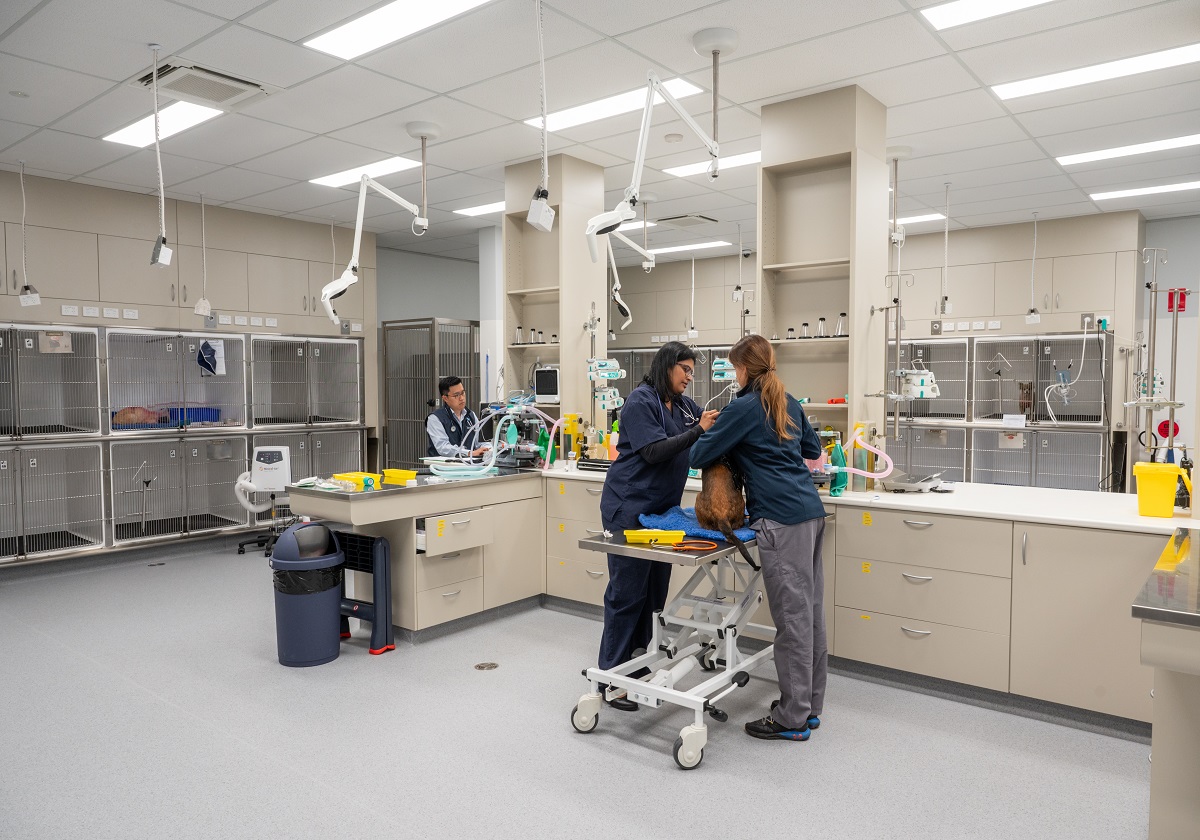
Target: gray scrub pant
795,582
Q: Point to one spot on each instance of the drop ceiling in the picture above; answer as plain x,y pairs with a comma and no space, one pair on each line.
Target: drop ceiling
475,76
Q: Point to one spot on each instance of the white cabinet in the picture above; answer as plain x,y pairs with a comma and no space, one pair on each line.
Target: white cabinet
126,275
228,287
278,284
61,263
1012,286
514,562
1085,283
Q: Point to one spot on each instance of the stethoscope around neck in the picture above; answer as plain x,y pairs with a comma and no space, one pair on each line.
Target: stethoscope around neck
689,419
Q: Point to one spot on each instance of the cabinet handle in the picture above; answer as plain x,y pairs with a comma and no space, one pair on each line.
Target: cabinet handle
1057,300
921,578
451,594
1046,301
305,299
917,524
917,632
172,293
460,521
594,574
314,303
184,293
449,556
1024,545
591,531
594,491
14,278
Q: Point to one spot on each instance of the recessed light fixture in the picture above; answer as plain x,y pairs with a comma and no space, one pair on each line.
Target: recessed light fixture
1166,188
482,209
928,217
622,103
171,120
697,246
1100,72
373,170
969,11
20,94
674,137
635,226
1125,151
732,162
387,24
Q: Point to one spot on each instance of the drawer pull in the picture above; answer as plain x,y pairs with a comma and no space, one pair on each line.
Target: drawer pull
918,524
450,556
460,521
594,491
451,594
1024,545
917,632
918,578
593,531
594,574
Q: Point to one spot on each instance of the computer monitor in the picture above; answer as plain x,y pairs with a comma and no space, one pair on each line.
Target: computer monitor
545,384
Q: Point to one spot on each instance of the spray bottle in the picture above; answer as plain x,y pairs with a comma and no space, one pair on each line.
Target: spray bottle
841,478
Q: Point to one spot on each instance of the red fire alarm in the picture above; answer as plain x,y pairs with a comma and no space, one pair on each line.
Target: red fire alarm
1177,299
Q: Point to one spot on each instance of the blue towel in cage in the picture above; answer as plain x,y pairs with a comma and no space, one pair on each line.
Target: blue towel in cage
684,519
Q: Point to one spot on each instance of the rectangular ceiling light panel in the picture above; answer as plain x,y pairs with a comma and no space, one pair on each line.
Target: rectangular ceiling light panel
1100,72
482,209
387,24
622,103
1125,151
173,119
1166,188
928,217
698,246
372,170
969,11
732,162
636,226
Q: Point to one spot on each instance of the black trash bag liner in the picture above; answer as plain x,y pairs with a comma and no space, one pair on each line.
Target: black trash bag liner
307,582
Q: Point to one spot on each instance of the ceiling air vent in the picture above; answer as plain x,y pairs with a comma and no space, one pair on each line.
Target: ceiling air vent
690,220
178,80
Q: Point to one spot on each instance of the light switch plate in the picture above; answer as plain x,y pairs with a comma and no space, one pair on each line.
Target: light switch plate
948,327
130,314
978,325
241,320
272,322
112,312
225,319
256,321
993,325
964,326
67,309
356,327
91,312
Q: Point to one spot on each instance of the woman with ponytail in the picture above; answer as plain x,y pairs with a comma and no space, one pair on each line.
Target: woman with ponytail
766,436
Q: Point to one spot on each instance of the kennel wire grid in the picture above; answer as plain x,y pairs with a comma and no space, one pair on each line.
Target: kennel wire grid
1069,460
926,450
62,498
212,467
1088,368
297,381
214,400
1005,374
8,506
1002,456
335,381
947,360
56,374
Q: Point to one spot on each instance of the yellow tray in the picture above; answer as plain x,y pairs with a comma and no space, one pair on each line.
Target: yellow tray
398,476
361,480
654,536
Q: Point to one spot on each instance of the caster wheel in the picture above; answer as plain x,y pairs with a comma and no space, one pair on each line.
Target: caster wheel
718,715
708,661
687,762
241,551
581,723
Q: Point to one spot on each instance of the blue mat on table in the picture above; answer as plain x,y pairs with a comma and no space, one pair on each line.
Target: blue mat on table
684,519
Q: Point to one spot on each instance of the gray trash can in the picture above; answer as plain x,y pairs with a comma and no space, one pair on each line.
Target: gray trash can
308,574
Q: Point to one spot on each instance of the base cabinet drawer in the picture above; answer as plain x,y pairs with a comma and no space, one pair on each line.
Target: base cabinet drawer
436,570
980,602
922,647
563,536
959,543
577,580
450,532
446,603
568,498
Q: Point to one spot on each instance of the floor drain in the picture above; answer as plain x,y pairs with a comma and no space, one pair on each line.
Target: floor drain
486,666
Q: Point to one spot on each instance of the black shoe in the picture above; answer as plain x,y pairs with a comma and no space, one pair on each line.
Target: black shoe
768,729
623,704
814,722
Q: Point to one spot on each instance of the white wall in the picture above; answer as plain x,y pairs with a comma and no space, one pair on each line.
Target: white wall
420,286
1181,238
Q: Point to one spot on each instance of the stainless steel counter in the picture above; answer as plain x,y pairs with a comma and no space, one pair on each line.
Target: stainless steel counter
1172,592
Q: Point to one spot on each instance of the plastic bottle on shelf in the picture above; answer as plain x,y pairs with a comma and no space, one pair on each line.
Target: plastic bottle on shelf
821,328
520,337
804,330
840,330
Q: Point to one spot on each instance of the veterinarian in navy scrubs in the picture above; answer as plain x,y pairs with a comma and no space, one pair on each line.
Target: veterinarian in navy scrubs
658,425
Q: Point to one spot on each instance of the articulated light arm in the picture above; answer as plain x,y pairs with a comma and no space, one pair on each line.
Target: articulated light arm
338,287
609,221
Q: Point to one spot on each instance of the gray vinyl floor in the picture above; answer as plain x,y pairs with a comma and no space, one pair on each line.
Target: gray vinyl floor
141,701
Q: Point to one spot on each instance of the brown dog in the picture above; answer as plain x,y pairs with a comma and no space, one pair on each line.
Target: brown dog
721,506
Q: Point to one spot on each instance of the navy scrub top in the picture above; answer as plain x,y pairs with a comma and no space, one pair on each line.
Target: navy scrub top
635,486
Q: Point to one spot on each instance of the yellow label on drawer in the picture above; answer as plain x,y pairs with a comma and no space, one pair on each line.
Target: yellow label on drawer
562,488
562,527
441,529
866,518
865,617
866,568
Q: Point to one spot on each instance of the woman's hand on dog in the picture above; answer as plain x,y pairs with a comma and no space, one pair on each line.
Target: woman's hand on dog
707,419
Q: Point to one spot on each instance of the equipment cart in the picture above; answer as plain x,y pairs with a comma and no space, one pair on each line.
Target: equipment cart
697,628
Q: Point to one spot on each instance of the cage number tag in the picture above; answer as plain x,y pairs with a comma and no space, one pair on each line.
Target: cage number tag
318,445
302,445
172,453
3,465
29,344
866,518
195,453
562,527
33,463
866,568
562,489
316,351
191,348
299,351
170,346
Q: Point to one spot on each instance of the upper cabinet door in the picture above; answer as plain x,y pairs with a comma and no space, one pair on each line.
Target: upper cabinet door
126,275
350,305
1012,287
228,287
1085,283
278,284
61,263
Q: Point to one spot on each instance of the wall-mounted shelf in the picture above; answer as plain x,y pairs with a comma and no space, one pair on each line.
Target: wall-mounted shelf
539,290
809,407
809,265
841,342
546,346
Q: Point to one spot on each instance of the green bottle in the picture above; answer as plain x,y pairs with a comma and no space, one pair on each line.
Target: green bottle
837,457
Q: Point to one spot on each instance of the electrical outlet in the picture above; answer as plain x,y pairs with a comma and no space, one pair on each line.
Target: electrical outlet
935,328
210,320
964,326
993,325
345,328
1087,321
978,325
948,326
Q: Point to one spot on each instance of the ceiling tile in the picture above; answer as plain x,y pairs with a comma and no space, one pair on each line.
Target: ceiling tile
421,59
313,158
70,154
250,208
971,159
249,54
1124,134
1023,203
918,80
230,184
959,137
1170,211
1063,13
337,99
460,185
140,170
118,107
298,197
1141,84
1011,217
942,112
11,132
988,192
1145,30
619,135
387,133
979,176
299,20
511,142
13,10
233,138
36,172
615,16
592,155
228,9
840,56
107,39
53,92
1183,166
1092,113
761,25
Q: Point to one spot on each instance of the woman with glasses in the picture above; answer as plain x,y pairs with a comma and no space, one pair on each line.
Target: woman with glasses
658,426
